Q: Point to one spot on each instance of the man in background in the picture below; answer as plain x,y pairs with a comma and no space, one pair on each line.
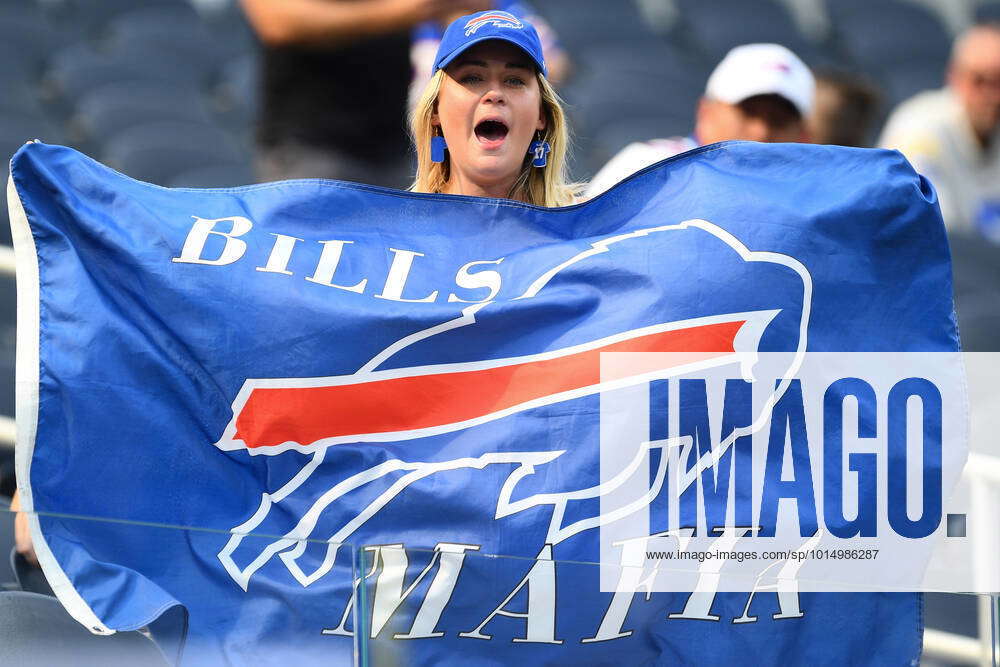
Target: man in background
334,81
759,92
950,135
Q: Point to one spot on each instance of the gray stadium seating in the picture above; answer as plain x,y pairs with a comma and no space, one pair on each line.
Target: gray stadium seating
907,79
159,152
36,630
16,128
612,95
76,70
110,109
29,577
976,275
19,97
28,126
660,59
19,65
176,34
215,176
8,483
93,16
8,323
987,12
25,28
8,578
237,87
716,26
582,24
880,35
952,612
191,66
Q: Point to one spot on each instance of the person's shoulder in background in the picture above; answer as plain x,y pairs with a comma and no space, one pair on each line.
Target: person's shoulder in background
915,126
634,157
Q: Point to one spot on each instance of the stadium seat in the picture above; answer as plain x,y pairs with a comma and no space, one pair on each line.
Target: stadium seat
159,152
609,97
987,12
215,176
191,65
114,107
161,19
884,34
952,612
176,34
94,16
582,24
78,69
24,28
229,20
238,88
837,9
17,96
29,577
8,578
8,324
716,26
16,129
36,630
8,482
906,80
660,60
976,273
20,66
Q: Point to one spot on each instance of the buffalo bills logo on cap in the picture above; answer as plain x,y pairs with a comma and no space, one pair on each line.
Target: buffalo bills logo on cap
498,19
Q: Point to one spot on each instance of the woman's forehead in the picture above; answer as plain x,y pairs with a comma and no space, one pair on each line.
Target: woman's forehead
495,51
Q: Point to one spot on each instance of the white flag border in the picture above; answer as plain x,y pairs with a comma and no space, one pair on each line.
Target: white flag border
28,360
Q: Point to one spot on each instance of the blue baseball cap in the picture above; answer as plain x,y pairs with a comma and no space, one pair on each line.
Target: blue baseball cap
482,26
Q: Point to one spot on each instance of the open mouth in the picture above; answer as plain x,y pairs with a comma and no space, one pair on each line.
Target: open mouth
491,131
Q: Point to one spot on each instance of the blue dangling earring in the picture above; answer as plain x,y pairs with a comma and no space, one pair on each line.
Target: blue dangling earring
438,145
540,149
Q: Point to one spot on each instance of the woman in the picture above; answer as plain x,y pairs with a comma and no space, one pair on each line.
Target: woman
490,101
488,123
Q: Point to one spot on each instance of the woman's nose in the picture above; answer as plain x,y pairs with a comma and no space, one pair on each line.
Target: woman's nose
494,96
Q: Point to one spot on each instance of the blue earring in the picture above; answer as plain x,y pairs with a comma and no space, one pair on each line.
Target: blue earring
540,149
437,148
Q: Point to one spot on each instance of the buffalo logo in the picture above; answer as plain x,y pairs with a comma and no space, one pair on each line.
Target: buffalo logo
497,19
403,405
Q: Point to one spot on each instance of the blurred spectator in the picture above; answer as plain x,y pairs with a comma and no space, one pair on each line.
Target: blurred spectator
759,92
335,75
427,37
844,109
950,135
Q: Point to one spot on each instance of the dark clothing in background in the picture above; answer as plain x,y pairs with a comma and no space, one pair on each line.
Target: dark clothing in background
7,481
349,103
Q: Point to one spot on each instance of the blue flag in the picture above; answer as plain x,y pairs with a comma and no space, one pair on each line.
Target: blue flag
309,372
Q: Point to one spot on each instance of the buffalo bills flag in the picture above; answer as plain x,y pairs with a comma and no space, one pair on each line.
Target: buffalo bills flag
301,373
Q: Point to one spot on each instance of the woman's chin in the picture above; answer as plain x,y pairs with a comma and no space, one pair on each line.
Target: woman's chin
496,168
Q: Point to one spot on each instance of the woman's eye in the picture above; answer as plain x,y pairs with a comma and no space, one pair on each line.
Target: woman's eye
516,81
471,78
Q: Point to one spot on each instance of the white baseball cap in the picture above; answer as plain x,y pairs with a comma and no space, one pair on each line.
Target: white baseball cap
762,69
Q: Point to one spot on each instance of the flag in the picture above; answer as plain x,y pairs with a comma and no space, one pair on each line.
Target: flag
351,397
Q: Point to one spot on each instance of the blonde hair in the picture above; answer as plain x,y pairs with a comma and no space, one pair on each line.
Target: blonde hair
546,186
